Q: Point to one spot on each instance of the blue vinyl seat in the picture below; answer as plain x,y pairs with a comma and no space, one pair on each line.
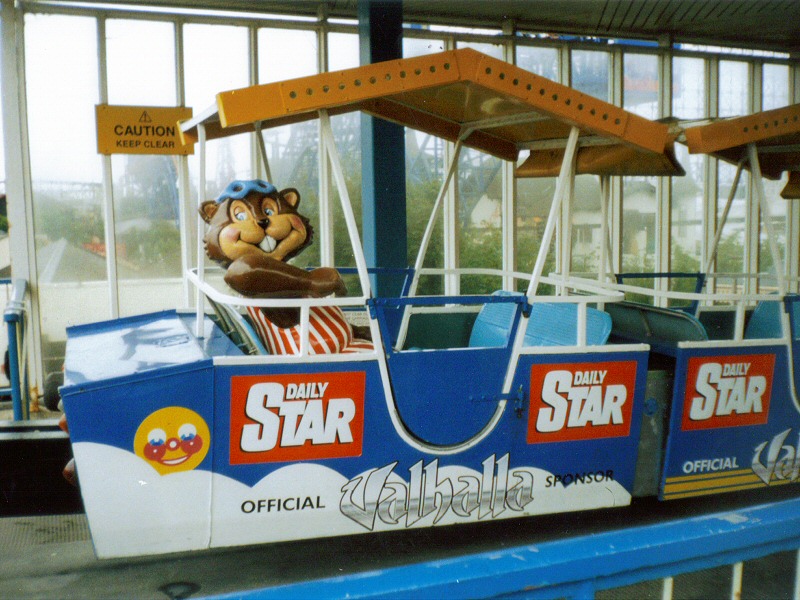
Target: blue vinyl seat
550,324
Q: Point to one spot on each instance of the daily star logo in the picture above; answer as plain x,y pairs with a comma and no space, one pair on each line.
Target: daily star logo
727,391
280,418
581,401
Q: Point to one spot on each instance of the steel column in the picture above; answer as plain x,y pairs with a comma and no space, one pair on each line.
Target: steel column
383,167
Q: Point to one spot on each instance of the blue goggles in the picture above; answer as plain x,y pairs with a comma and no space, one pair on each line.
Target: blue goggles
238,189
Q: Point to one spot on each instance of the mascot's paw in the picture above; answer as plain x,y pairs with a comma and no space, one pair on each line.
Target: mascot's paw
327,281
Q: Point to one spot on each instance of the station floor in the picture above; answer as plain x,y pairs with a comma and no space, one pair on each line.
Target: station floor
52,557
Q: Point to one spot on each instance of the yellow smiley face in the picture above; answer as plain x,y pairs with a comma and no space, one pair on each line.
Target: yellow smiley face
172,439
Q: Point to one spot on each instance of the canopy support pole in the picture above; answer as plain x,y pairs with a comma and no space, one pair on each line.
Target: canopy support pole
344,197
567,170
201,193
762,204
555,207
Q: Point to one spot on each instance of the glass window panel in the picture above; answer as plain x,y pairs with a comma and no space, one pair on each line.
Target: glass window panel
532,206
542,61
147,233
734,88
689,88
686,218
639,207
479,219
590,73
493,50
730,253
140,59
420,47
286,54
343,54
145,187
62,84
776,86
293,150
640,84
479,207
2,145
686,215
347,134
424,174
586,226
776,207
216,59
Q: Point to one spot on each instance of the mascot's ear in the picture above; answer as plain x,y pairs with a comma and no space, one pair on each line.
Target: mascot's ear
208,209
292,197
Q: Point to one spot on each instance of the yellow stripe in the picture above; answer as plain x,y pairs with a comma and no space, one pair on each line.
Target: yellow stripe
713,475
675,495
712,491
710,483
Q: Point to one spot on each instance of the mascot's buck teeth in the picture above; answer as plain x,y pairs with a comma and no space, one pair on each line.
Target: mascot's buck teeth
268,244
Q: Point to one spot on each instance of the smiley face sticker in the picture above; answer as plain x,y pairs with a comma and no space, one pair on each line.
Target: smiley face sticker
172,439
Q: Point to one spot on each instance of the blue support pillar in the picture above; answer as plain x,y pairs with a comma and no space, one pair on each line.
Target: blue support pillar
383,184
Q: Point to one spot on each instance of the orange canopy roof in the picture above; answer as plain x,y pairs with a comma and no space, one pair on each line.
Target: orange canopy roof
502,108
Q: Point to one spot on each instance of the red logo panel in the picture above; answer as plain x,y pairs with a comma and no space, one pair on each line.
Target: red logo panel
727,391
581,401
281,418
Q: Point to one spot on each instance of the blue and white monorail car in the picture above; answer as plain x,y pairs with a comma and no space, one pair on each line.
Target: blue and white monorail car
465,409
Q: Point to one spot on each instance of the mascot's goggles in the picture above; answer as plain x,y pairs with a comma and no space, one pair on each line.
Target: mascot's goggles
238,189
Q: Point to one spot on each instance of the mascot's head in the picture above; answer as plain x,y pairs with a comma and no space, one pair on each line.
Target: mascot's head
254,217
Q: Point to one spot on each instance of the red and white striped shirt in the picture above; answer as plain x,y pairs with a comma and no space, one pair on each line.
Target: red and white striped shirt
329,332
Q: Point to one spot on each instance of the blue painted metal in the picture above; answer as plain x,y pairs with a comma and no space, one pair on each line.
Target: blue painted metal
124,373
383,167
573,567
765,322
14,316
732,411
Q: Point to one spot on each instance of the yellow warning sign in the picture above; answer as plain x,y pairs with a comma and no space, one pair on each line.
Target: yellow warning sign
140,130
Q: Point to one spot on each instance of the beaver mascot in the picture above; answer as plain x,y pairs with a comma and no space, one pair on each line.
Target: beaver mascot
253,230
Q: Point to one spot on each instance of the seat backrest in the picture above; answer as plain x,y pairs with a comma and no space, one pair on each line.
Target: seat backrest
661,328
550,324
765,322
556,324
493,325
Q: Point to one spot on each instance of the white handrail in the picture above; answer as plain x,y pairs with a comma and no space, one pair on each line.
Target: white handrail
212,292
677,295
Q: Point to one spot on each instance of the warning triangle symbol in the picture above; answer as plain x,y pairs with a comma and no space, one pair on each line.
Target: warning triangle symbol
145,118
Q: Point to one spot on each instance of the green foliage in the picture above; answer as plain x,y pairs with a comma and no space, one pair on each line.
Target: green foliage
730,253
156,250
77,223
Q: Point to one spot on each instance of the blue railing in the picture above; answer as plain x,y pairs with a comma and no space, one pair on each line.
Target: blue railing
575,567
14,317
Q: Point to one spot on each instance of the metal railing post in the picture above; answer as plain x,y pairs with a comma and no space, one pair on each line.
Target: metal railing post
14,316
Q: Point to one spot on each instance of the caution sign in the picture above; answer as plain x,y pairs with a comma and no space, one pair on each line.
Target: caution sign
140,130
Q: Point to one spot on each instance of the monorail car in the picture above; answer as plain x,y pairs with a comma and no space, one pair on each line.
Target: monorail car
465,408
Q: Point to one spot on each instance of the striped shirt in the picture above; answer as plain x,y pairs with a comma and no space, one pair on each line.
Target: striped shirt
329,332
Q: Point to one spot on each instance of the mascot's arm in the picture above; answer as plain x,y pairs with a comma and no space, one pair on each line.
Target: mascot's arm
261,276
